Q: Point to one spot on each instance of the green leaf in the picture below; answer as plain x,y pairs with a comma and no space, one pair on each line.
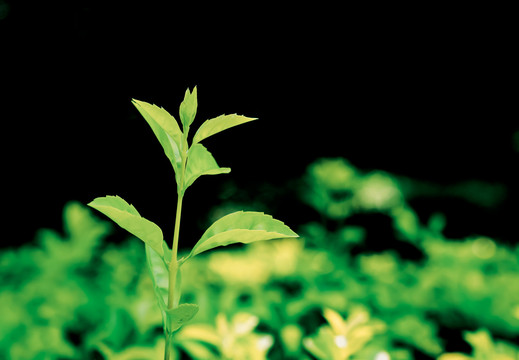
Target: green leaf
160,116
180,315
244,227
220,123
167,131
201,162
160,277
188,108
127,217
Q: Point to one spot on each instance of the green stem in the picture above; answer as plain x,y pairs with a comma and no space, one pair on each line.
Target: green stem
173,265
169,347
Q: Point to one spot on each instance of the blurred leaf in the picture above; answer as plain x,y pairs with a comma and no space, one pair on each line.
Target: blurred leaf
201,162
179,316
198,350
127,217
135,352
218,124
199,332
322,345
335,320
454,356
243,227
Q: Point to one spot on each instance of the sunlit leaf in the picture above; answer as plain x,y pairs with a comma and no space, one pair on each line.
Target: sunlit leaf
160,116
455,356
201,162
178,316
127,217
199,350
188,108
199,332
335,320
167,131
242,227
220,123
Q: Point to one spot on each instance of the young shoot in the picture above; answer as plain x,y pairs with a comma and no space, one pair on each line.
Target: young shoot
189,162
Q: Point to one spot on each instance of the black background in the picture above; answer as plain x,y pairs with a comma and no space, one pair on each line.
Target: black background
425,93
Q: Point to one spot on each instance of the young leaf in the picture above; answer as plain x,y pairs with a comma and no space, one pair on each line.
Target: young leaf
188,108
220,123
159,115
167,131
244,227
179,316
201,162
127,217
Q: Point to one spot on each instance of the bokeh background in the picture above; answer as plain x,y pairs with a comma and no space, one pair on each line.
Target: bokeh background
425,96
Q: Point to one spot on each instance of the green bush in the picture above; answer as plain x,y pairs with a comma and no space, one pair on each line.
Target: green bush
325,295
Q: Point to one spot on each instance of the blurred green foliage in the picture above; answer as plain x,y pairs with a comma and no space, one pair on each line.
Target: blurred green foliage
76,296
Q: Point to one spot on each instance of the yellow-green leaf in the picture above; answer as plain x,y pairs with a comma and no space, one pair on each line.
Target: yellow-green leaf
220,123
167,131
126,216
180,315
188,108
201,162
242,227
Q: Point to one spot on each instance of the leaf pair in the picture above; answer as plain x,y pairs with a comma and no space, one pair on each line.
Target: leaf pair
244,227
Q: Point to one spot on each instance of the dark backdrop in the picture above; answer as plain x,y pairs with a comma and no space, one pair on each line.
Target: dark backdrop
425,94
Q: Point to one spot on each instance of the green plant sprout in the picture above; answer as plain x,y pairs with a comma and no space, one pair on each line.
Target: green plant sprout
189,163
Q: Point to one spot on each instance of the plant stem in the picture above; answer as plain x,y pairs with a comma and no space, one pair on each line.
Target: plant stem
168,349
173,265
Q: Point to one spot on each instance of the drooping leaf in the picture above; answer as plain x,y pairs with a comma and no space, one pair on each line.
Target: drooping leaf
178,316
201,162
220,123
159,272
167,131
127,217
160,278
243,227
188,108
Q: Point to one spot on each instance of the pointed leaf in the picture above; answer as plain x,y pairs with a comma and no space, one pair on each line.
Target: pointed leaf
127,217
163,118
201,162
244,227
188,108
167,131
180,315
220,123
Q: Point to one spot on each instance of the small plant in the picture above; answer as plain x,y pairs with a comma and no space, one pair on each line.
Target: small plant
189,163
